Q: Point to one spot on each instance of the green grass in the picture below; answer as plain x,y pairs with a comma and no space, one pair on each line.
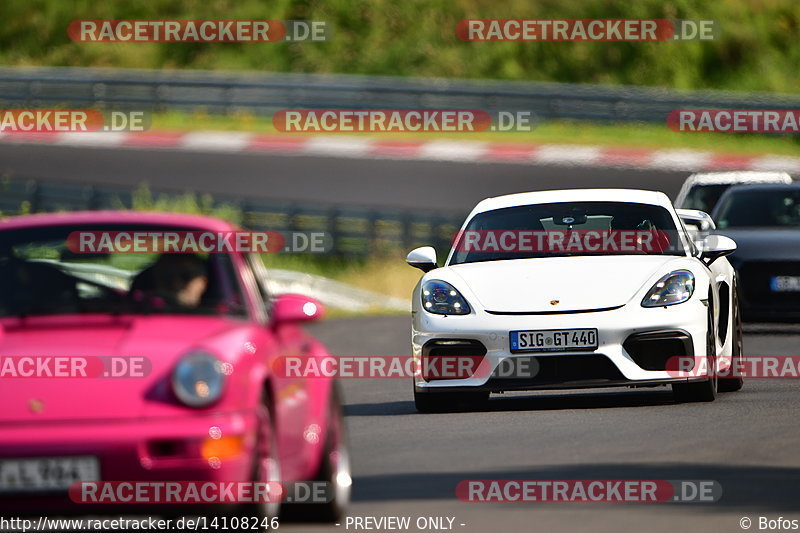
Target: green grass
756,51
384,274
629,135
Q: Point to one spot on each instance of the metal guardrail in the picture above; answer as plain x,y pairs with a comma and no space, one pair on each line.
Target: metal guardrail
355,230
263,94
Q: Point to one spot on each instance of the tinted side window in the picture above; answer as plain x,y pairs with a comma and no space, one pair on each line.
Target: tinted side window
704,197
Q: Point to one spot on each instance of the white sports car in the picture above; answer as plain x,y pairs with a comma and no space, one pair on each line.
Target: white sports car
573,289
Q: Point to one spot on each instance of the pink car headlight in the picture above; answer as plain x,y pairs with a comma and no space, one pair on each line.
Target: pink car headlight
198,379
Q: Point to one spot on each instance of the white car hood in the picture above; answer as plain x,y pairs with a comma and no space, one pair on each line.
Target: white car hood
576,283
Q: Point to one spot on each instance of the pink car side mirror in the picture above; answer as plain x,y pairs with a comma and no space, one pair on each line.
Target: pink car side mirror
296,308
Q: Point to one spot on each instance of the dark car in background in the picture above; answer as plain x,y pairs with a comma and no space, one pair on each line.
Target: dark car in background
702,190
764,220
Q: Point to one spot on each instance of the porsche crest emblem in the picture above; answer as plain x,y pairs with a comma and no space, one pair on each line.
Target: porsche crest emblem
555,302
36,406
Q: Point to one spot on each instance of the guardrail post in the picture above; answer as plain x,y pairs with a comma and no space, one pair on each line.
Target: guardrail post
34,196
372,233
157,97
90,194
331,227
406,236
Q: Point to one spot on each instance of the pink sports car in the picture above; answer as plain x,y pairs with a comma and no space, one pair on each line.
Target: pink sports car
141,369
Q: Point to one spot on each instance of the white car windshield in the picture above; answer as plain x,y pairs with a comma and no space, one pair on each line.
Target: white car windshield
704,197
568,229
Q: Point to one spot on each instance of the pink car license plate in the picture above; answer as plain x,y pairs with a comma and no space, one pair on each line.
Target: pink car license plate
46,473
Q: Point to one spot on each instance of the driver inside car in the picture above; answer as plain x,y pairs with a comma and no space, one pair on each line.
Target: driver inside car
176,279
658,241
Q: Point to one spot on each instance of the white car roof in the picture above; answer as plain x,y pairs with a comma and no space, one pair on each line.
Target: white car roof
574,195
729,178
740,176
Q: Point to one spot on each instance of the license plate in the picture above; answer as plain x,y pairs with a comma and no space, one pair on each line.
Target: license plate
553,340
51,473
785,284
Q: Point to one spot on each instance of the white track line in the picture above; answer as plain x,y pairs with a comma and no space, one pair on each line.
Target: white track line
92,139
337,146
568,154
452,151
203,141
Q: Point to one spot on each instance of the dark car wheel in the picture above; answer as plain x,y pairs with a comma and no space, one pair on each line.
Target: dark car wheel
706,390
734,384
266,467
334,472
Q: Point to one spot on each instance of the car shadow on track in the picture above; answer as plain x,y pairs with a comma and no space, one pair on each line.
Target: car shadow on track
744,488
539,402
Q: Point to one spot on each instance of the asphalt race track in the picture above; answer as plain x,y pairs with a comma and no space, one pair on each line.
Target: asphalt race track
408,464
444,186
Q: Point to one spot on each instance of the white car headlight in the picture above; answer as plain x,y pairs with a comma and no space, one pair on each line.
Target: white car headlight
198,379
674,288
442,298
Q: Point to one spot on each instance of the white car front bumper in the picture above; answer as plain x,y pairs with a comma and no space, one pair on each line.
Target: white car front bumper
574,369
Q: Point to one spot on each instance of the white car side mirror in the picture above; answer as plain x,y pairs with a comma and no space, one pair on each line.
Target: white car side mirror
423,258
698,224
716,246
698,219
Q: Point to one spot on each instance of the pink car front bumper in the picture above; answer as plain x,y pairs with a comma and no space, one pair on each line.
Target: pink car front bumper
156,449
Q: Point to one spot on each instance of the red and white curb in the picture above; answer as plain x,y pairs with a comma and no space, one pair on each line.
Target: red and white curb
434,150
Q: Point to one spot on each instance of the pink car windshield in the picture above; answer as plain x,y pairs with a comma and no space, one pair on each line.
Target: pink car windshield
41,275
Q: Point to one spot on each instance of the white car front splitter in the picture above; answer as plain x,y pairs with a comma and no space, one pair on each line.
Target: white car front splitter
614,327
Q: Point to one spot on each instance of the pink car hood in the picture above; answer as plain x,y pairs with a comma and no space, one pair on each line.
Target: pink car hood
159,339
